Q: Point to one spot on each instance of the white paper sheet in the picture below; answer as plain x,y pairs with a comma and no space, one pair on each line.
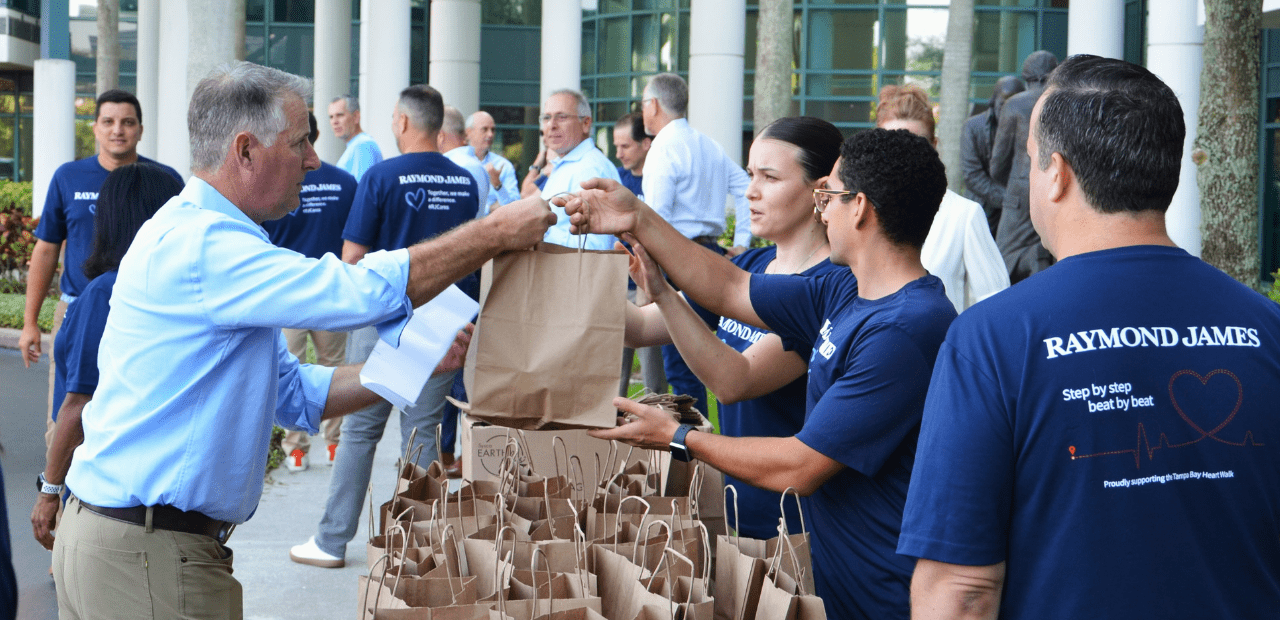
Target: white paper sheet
398,374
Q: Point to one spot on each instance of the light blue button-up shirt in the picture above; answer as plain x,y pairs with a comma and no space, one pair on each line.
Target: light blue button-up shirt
584,162
361,154
194,368
687,177
510,191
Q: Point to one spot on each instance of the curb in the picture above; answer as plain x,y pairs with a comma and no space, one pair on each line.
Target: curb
9,340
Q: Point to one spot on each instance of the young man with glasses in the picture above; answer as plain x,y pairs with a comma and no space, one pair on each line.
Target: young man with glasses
874,331
566,126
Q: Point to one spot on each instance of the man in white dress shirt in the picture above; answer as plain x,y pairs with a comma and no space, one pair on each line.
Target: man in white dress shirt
686,178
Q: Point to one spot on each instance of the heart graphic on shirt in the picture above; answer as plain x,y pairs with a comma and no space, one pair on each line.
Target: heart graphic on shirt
1207,402
416,198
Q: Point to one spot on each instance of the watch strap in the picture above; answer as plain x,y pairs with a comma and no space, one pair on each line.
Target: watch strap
48,488
679,450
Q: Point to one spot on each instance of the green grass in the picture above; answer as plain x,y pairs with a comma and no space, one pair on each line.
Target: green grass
11,309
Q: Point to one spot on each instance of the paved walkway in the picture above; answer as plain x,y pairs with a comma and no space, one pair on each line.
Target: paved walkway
274,587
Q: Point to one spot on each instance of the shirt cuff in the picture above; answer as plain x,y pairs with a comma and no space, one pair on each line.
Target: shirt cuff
393,266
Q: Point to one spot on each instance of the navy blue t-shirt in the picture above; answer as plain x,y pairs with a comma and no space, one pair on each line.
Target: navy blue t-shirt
411,198
1109,428
779,413
68,214
315,227
76,346
868,374
631,182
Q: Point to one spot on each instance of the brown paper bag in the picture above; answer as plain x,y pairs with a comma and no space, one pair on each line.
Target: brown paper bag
546,346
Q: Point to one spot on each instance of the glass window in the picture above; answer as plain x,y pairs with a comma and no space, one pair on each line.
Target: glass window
25,141
510,54
646,32
842,40
614,6
613,48
838,2
291,48
828,85
588,47
255,10
1025,4
649,5
294,11
1001,40
511,12
841,111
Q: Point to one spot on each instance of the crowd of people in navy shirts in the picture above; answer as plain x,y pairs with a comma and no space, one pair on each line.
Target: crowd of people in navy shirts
945,430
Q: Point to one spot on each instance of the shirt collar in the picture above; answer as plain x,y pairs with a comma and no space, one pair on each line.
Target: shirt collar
204,196
577,153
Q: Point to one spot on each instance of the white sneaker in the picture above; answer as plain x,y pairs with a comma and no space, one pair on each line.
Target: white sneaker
296,461
308,553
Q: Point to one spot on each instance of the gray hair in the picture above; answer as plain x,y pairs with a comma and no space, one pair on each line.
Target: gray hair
353,103
471,120
424,106
584,108
453,123
236,97
671,91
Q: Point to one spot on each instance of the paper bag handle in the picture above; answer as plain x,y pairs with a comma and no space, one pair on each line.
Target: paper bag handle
648,528
384,560
617,521
799,508
533,572
737,517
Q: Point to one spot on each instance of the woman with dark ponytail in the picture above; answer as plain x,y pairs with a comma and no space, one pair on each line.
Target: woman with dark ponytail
760,386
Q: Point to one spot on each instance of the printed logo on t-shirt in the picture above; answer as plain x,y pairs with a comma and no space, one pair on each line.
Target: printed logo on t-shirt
740,330
435,199
86,196
827,348
1117,337
1204,406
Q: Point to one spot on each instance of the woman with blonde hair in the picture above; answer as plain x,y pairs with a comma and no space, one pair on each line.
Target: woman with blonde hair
959,248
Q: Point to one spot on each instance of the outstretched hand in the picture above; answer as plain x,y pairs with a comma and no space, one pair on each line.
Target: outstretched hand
603,207
523,223
456,357
644,271
642,426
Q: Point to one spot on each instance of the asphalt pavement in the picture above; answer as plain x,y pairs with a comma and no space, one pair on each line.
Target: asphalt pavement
292,503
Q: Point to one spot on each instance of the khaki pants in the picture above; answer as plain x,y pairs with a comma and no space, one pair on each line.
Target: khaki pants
331,349
59,312
109,569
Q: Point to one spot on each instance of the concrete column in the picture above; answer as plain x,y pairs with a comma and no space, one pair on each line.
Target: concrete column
149,74
384,67
561,46
332,69
455,53
1096,27
715,71
1175,52
169,124
54,123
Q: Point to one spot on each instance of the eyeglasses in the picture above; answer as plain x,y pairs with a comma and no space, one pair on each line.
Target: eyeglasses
559,118
822,197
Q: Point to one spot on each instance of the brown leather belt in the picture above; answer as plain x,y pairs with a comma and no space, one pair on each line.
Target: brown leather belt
168,518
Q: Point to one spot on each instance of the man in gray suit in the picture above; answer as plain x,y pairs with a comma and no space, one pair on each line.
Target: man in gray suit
975,152
1019,244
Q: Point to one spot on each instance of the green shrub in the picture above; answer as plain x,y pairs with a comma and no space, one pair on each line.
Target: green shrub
13,192
17,239
1274,293
726,238
11,308
275,454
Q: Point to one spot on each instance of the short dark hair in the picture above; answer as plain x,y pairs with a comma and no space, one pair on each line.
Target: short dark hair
635,122
130,196
902,176
424,106
315,128
117,95
819,142
1119,127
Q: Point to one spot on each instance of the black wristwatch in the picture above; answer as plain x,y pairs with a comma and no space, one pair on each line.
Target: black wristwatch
680,451
47,487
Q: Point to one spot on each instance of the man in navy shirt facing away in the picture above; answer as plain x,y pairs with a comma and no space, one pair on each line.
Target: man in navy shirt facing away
68,217
1101,440
399,202
873,341
313,230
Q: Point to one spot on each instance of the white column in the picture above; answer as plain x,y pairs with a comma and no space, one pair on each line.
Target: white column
384,67
1175,53
214,29
1097,27
171,102
715,71
561,46
54,121
149,74
455,53
332,69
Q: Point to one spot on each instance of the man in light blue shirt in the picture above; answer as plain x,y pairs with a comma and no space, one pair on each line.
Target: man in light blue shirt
453,143
566,127
502,173
362,150
193,349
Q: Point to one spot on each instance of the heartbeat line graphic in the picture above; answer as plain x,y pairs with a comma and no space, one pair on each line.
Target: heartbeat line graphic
1143,442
